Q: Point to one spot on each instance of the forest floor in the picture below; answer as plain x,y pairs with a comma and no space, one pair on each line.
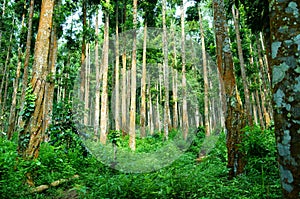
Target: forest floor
186,177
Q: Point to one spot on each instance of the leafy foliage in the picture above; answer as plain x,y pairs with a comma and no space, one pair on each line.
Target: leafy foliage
184,178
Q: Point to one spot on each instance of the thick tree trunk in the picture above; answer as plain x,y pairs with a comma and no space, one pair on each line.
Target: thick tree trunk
49,91
285,50
31,136
234,120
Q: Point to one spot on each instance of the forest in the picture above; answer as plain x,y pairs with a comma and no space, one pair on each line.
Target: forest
150,99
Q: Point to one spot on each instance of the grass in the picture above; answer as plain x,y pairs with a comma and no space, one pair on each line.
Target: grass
183,178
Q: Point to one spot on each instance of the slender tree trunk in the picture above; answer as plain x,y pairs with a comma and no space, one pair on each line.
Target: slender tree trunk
206,101
265,57
175,99
117,76
166,73
158,126
143,86
185,120
97,91
150,109
285,50
83,56
174,83
133,82
254,108
262,73
2,14
104,95
234,116
27,57
86,86
124,99
12,115
124,109
4,83
235,13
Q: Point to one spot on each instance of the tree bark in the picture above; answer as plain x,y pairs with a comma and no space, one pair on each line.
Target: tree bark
143,86
104,95
235,13
234,120
133,83
50,83
166,73
12,115
117,76
97,91
205,78
285,50
31,136
264,86
185,119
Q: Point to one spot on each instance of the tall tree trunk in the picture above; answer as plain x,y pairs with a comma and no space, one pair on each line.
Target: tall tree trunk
12,115
124,89
3,12
124,109
157,121
174,83
265,57
83,54
254,108
264,87
117,76
234,120
143,86
31,134
205,78
104,95
97,91
49,89
235,13
255,97
27,57
86,86
185,120
150,109
133,82
166,73
4,83
285,50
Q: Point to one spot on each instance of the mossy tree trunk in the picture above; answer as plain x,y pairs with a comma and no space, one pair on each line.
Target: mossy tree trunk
234,119
285,51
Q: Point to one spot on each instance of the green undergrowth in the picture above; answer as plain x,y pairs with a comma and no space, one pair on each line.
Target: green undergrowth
184,178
